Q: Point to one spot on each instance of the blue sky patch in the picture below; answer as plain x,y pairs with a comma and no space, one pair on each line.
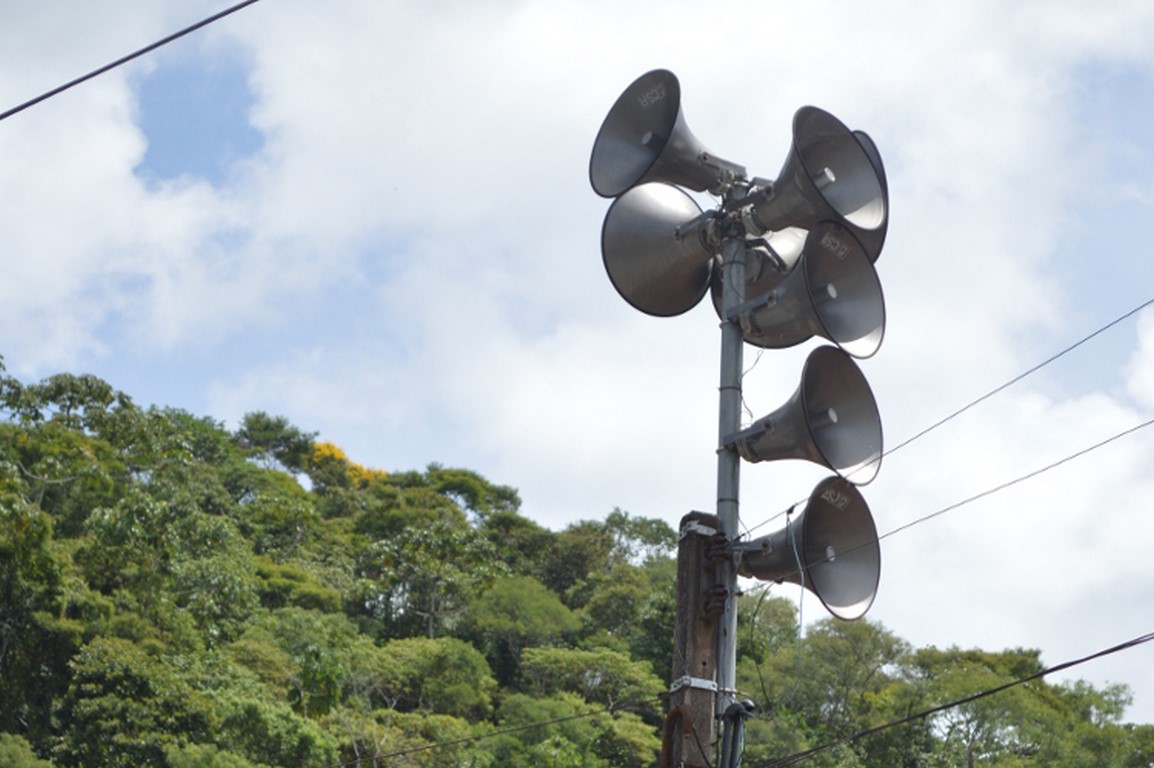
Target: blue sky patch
194,114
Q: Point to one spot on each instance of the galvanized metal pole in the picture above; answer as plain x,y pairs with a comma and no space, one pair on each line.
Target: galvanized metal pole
733,256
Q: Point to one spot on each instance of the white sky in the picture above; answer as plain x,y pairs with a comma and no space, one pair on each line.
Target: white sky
375,219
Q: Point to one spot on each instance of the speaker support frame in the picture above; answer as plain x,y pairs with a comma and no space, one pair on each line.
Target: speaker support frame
644,139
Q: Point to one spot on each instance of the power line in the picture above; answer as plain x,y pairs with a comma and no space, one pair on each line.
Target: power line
799,757
1020,376
988,492
124,59
1019,479
982,399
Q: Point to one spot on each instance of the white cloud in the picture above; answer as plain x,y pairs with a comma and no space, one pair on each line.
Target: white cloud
411,265
1140,369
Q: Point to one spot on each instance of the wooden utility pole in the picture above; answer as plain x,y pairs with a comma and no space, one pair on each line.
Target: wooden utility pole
688,735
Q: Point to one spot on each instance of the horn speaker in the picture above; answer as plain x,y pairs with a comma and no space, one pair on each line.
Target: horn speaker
835,543
644,138
828,175
832,291
655,256
874,239
832,419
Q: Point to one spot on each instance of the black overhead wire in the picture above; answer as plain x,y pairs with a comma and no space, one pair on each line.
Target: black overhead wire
989,491
1021,376
799,757
793,759
796,757
983,398
1021,478
124,59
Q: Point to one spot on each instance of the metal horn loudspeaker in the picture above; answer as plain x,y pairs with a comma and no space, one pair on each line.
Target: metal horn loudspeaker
833,292
653,249
830,174
835,542
832,419
644,138
874,239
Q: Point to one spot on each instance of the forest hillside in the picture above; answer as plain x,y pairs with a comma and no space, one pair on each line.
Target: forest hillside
176,593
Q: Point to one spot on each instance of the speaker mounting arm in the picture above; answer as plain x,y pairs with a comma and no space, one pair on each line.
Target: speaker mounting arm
729,174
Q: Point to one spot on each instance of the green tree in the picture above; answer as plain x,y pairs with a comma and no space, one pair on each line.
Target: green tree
270,733
583,548
517,612
409,739
16,752
279,518
320,647
420,579
639,539
443,676
598,676
565,731
125,706
274,442
473,493
522,544
203,756
80,402
558,731
838,681
35,641
611,601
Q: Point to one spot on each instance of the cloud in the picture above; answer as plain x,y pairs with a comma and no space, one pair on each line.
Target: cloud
1140,369
410,264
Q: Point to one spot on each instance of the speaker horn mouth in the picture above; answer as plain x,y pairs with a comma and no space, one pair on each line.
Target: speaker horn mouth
851,446
635,132
831,548
653,254
644,138
842,556
831,291
832,419
830,152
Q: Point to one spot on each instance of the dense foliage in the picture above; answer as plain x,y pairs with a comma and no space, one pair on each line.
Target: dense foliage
173,593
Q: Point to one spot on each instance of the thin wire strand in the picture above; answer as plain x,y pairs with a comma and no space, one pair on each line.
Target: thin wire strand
988,395
760,677
124,60
989,491
799,757
1020,376
801,597
1020,479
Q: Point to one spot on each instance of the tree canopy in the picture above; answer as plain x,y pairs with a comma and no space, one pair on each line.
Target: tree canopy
177,593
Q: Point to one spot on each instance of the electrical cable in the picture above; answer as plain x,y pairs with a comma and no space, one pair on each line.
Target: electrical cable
124,59
801,595
799,757
975,497
989,491
771,710
949,508
985,397
1017,480
1020,376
